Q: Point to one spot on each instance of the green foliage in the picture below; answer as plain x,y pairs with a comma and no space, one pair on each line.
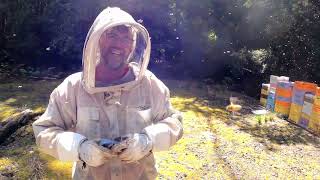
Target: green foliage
296,51
239,39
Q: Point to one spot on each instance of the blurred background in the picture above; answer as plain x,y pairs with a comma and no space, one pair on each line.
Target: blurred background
237,43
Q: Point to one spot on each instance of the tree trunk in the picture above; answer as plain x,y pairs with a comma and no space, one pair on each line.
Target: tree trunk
13,123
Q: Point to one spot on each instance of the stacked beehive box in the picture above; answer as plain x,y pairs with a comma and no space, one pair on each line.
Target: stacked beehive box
272,92
264,94
300,88
314,124
283,97
299,100
306,110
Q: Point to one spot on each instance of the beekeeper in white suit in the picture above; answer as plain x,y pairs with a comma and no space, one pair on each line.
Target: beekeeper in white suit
115,96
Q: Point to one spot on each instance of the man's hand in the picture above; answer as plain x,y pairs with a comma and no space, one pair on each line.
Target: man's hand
133,148
93,154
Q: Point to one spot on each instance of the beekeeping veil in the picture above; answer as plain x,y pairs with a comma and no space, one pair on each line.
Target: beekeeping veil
99,71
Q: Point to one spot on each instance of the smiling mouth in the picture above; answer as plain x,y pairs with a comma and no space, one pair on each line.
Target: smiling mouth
115,51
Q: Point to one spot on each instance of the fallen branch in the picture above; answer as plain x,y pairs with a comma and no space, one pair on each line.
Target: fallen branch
13,123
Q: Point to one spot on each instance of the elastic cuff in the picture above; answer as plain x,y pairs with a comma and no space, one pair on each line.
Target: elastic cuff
82,141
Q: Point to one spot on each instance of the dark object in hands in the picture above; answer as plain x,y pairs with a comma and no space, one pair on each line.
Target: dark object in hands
108,143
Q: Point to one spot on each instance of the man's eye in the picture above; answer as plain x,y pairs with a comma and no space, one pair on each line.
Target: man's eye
128,40
113,36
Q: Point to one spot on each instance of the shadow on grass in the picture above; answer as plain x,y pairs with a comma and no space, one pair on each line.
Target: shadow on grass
285,133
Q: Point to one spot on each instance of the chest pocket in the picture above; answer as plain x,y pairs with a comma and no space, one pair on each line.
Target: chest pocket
89,122
138,118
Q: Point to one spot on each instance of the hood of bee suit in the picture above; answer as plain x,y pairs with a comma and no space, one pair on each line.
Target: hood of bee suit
136,61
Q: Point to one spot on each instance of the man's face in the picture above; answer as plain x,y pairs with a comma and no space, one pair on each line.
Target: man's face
115,46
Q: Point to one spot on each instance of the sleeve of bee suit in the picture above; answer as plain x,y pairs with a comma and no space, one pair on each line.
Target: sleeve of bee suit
167,128
51,129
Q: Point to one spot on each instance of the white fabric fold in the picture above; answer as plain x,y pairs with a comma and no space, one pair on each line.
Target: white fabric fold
68,145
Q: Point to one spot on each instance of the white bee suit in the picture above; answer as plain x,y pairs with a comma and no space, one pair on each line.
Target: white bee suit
80,109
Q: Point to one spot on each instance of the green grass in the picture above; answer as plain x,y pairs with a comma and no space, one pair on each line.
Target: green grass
17,96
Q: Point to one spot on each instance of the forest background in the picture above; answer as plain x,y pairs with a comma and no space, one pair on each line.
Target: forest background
238,43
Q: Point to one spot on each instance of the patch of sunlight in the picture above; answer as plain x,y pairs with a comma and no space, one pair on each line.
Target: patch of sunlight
29,129
308,164
314,164
56,168
290,161
25,169
247,150
180,102
248,3
230,134
194,152
212,36
31,94
196,107
18,162
6,111
237,143
10,100
180,159
39,109
249,156
259,54
4,163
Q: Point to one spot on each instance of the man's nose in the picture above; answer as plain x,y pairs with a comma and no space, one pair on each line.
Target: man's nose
118,43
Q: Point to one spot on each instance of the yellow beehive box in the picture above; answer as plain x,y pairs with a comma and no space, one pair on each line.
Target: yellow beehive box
264,94
314,124
295,112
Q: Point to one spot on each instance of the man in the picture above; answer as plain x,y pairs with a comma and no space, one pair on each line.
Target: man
115,99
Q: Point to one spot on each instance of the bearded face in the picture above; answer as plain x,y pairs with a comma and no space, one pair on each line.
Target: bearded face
115,47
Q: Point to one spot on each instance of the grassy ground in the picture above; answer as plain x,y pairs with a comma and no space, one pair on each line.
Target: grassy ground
214,146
